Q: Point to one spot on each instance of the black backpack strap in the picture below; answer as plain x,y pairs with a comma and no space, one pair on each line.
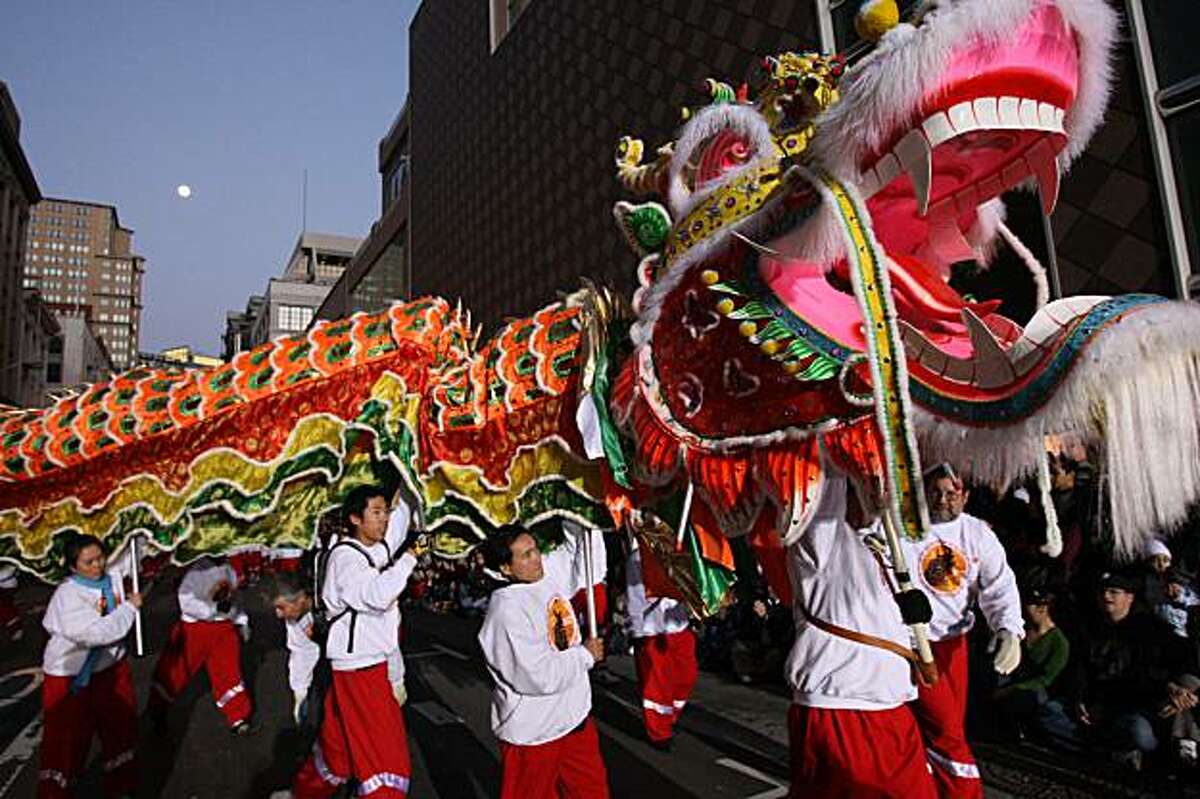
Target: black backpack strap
350,611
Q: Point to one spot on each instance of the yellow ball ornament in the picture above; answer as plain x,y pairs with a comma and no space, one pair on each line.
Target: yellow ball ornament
875,18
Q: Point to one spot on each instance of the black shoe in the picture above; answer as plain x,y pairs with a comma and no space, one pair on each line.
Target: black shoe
243,728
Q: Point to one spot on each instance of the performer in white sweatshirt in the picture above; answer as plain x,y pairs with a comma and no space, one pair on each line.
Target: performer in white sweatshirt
88,689
539,661
851,731
960,562
208,636
664,652
362,729
293,606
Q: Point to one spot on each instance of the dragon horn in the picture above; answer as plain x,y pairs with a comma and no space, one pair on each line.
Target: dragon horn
636,177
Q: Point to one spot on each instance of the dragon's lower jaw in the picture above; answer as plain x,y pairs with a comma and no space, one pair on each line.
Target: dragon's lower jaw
1126,372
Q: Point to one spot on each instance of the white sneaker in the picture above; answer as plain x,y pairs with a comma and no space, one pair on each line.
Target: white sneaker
1187,750
281,795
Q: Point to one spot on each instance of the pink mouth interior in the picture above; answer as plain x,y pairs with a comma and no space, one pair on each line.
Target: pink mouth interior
1039,63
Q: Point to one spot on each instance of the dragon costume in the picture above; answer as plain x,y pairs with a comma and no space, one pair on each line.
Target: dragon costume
794,310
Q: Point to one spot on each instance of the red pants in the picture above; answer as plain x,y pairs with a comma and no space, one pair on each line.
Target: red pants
213,646
362,736
857,754
569,767
666,669
106,707
941,712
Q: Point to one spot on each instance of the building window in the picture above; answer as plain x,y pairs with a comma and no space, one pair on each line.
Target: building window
294,318
504,15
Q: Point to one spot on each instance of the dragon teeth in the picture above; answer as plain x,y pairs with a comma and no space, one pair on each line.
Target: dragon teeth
914,152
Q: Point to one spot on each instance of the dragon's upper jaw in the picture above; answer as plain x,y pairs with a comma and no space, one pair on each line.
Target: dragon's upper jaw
981,96
990,122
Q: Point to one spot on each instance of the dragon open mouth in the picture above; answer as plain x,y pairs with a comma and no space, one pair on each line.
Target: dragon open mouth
995,120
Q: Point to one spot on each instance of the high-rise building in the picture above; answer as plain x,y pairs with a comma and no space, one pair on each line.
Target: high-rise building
81,260
18,315
76,355
239,327
290,302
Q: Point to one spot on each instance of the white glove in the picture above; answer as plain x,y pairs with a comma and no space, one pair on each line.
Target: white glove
400,693
1007,649
244,631
297,706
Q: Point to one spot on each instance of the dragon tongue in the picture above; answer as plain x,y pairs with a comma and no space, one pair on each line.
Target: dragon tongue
945,244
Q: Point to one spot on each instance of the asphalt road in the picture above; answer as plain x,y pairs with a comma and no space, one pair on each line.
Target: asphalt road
732,741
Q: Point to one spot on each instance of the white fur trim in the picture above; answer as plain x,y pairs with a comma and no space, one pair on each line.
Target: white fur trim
1135,388
882,93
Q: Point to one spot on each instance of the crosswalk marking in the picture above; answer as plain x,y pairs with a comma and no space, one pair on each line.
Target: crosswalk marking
775,792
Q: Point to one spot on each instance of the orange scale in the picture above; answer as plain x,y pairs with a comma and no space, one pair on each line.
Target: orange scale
333,347
217,389
291,360
549,351
33,448
372,335
185,401
152,402
256,376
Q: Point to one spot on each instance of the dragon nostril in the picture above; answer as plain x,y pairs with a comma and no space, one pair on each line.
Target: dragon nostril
811,85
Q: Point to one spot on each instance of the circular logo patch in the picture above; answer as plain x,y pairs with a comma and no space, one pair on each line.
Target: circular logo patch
944,568
560,622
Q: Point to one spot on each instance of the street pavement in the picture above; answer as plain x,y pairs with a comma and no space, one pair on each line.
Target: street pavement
732,740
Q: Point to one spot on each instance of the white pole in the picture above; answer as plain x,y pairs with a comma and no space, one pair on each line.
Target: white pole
684,515
590,573
135,567
904,582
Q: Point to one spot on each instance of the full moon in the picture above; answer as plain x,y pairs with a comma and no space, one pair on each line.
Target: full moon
184,190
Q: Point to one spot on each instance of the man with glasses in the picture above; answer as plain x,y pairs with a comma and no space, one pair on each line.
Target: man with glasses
959,563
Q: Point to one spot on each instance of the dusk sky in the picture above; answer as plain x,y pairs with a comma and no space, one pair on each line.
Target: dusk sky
121,102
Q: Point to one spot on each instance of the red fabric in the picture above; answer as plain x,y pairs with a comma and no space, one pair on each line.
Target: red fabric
362,736
666,669
941,711
579,605
248,565
569,767
285,565
772,555
857,754
213,646
106,707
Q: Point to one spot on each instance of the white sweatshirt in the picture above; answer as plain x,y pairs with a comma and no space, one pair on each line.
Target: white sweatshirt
838,579
196,603
649,616
353,582
303,653
531,642
75,624
959,562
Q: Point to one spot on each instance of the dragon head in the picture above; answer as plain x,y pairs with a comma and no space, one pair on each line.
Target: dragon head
750,334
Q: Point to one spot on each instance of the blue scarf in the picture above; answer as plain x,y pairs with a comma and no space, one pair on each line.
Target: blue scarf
104,585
